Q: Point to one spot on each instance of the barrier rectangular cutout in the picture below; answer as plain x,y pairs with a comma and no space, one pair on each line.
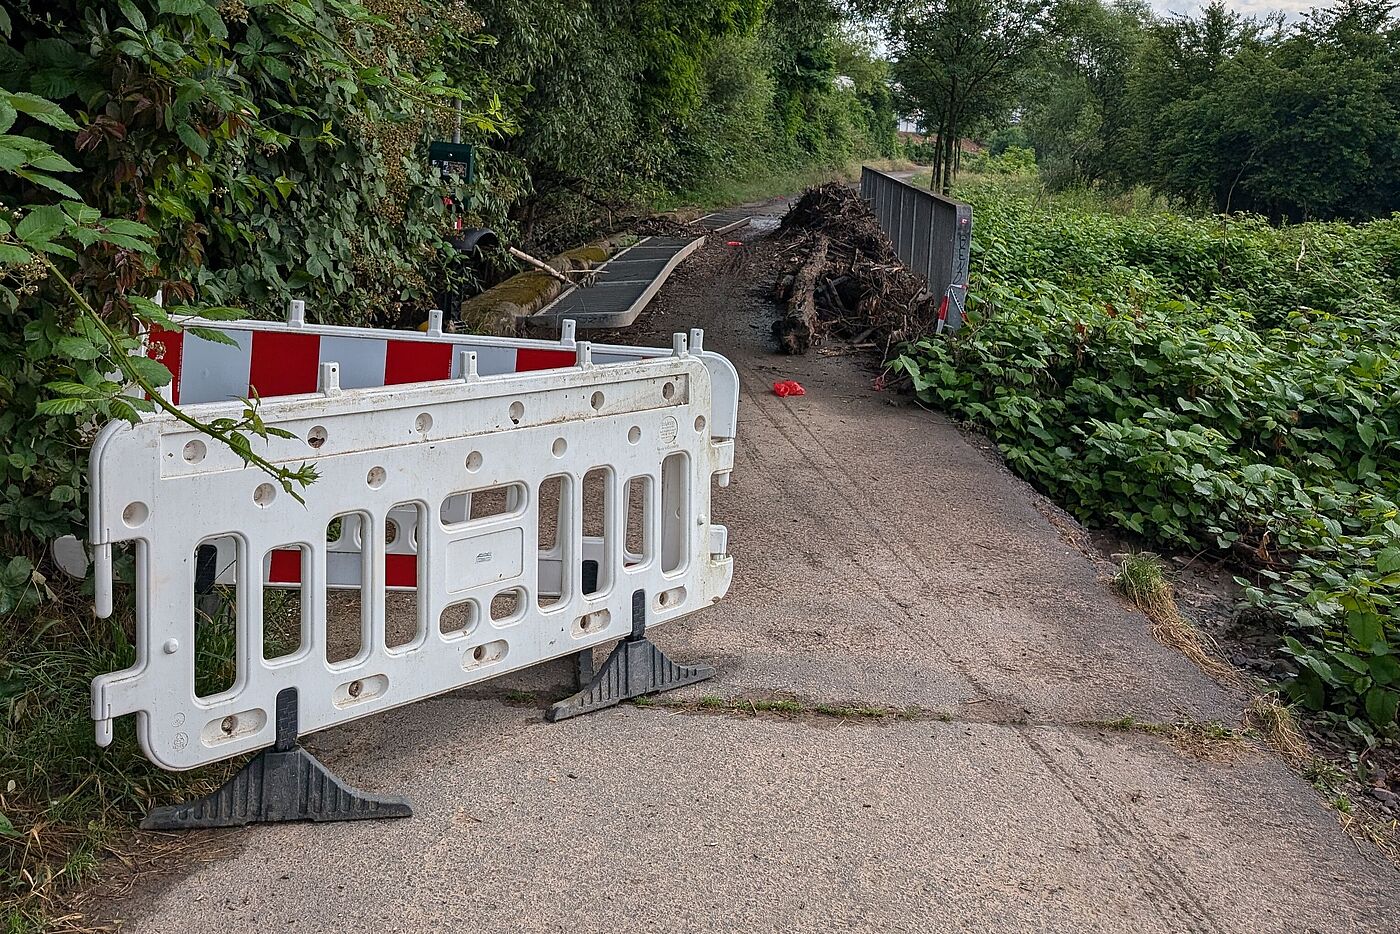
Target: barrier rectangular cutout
479,505
675,518
218,579
403,623
598,545
638,522
285,610
555,524
347,608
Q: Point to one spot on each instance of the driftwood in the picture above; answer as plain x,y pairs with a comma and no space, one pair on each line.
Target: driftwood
861,289
834,301
799,324
541,265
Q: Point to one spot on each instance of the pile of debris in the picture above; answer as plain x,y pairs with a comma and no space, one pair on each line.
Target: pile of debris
845,278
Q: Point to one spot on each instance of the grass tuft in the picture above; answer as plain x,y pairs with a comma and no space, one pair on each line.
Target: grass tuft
1143,580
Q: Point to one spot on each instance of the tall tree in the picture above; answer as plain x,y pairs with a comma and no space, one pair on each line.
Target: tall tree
1075,110
1296,123
960,61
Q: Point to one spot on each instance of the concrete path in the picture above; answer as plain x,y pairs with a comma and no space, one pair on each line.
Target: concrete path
880,559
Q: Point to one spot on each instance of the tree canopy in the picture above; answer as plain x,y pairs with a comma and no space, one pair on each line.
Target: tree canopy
1293,120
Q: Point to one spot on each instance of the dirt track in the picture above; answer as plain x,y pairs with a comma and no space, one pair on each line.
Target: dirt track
880,560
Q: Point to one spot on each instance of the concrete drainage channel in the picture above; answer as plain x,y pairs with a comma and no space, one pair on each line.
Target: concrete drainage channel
621,287
610,290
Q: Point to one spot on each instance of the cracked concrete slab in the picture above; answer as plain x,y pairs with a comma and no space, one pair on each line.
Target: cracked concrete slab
879,558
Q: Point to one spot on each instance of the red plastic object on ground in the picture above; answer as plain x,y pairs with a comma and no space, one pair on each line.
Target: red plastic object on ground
789,387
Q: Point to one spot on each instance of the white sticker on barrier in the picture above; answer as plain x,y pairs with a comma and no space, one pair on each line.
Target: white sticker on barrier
278,359
517,514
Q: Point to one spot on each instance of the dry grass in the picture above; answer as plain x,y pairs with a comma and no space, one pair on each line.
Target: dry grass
1383,834
787,706
1142,579
1211,741
1274,721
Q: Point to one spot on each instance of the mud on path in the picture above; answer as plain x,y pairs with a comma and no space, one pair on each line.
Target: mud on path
881,562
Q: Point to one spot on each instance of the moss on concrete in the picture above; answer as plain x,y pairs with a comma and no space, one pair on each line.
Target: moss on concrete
496,310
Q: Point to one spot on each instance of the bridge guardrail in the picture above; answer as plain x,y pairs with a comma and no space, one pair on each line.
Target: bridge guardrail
932,235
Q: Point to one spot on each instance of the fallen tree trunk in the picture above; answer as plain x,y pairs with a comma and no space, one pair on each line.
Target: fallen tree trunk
798,326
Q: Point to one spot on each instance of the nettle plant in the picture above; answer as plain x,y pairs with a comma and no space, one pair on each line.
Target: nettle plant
96,358
1162,374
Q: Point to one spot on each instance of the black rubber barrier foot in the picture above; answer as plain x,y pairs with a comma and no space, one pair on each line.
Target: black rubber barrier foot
284,783
634,669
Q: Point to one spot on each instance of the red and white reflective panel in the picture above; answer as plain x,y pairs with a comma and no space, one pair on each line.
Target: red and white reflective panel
274,359
272,363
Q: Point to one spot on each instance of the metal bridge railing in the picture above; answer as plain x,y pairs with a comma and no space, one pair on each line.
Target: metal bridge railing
932,235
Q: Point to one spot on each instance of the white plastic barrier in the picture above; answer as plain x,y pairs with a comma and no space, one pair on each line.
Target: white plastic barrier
502,579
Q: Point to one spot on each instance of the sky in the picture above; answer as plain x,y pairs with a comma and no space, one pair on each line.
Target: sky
1247,7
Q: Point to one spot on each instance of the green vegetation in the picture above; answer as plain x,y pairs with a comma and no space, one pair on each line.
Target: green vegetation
1206,384
621,105
1294,121
1204,740
63,800
961,62
1290,120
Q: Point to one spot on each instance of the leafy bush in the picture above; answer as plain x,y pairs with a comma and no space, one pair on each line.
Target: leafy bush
621,104
1207,386
1013,160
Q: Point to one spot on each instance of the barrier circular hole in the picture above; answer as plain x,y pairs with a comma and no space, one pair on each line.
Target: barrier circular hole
423,423
517,412
195,451
355,689
596,401
391,532
316,436
264,494
634,434
474,461
228,725
479,653
376,477
663,599
699,423
668,391
559,447
135,514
